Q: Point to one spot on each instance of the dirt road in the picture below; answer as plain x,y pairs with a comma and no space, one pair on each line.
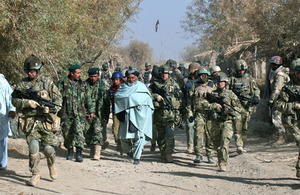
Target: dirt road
262,170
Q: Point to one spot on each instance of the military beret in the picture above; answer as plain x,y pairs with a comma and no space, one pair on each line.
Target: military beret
93,71
74,67
133,71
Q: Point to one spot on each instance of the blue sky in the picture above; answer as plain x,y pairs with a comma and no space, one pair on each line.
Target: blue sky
170,39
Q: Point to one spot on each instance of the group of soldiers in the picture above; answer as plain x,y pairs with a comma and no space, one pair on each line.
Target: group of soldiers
212,106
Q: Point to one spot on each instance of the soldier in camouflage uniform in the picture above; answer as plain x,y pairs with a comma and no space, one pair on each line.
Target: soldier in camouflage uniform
119,68
167,99
95,138
189,125
278,77
214,71
176,74
246,89
106,75
39,123
77,104
289,104
226,106
198,108
183,70
146,74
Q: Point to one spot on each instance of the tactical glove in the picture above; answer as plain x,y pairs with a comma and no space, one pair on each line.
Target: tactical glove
159,98
217,107
33,104
255,100
46,110
296,106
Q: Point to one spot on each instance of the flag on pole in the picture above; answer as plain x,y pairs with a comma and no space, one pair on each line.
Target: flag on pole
156,25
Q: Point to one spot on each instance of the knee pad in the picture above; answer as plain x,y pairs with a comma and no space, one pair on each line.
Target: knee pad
34,147
48,151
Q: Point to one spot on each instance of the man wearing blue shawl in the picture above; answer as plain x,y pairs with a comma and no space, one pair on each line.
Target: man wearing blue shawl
134,108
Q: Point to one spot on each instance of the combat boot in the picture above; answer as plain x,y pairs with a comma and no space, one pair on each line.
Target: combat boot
35,179
222,168
70,153
105,145
198,159
92,151
298,173
53,172
169,158
190,149
211,160
152,148
97,153
78,155
280,140
240,150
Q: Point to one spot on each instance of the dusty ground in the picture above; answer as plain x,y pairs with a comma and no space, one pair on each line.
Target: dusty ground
262,170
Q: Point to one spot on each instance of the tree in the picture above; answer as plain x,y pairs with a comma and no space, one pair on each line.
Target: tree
59,32
139,53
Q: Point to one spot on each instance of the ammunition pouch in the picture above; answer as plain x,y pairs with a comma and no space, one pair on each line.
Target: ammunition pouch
288,120
52,122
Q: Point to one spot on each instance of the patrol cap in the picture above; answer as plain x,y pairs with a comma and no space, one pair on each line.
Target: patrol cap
147,64
93,71
74,67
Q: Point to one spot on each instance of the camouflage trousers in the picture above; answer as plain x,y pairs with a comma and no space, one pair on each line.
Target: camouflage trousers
115,127
295,131
189,128
221,133
73,132
93,133
241,128
202,130
277,122
36,134
165,137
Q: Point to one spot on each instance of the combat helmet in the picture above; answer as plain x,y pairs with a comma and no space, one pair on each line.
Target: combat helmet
165,69
33,63
194,67
117,75
276,60
181,65
295,68
241,65
215,69
105,65
171,63
203,70
222,77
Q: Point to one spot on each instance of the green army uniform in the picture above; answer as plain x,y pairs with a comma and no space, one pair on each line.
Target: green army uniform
221,129
76,104
246,89
94,135
184,71
38,125
277,79
189,125
165,117
289,104
146,74
106,75
198,108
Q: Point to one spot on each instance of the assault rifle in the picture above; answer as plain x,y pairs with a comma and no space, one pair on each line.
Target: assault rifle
33,95
162,93
242,97
221,101
293,97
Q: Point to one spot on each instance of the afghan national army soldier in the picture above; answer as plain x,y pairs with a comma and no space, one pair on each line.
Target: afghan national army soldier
278,77
106,75
37,100
95,137
77,104
188,83
246,89
146,74
118,68
183,70
167,98
198,108
175,75
226,107
289,105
